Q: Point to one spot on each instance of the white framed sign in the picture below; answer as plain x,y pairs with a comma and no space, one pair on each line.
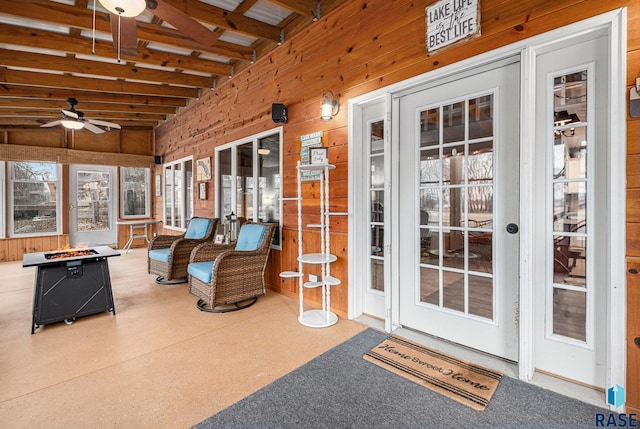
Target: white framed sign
450,21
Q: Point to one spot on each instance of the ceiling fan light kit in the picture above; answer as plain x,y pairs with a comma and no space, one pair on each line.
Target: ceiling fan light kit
124,8
74,120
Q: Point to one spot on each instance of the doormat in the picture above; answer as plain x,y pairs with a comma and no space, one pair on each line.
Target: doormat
465,382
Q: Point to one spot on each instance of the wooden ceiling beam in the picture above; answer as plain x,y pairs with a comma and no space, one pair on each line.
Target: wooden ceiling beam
306,8
22,36
11,58
36,122
7,112
226,19
78,17
86,106
93,84
50,93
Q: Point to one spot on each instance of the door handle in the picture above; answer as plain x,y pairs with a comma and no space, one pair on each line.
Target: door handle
512,228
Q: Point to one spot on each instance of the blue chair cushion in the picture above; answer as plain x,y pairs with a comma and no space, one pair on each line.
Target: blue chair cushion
201,270
198,228
250,236
160,254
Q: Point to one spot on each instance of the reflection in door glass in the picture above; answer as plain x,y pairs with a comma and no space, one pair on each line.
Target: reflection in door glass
456,206
93,201
570,181
376,205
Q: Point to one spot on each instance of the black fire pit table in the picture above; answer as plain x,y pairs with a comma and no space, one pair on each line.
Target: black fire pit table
70,284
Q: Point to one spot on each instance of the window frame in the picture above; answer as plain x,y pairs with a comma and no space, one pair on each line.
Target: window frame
187,207
147,191
254,140
10,200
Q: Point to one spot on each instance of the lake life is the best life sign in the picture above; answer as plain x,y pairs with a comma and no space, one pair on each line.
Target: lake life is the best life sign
449,21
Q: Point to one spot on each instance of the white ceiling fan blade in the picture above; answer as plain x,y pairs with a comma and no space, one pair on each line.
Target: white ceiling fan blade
102,123
93,128
51,124
70,113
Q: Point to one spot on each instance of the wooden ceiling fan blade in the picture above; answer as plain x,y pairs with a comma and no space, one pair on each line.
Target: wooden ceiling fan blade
51,124
70,113
89,126
128,35
186,24
103,123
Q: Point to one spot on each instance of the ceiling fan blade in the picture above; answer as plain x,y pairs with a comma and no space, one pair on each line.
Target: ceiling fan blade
51,124
186,24
93,128
128,35
70,113
102,123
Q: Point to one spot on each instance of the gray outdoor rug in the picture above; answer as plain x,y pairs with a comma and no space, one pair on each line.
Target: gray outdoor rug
340,389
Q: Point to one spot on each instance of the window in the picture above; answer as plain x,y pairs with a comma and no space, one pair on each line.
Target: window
248,179
135,185
178,193
34,198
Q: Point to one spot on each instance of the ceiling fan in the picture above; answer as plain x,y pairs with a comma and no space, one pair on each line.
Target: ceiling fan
123,23
75,120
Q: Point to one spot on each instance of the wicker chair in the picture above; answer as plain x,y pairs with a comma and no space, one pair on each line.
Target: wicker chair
231,277
169,254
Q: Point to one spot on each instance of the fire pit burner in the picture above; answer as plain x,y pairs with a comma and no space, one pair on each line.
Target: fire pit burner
70,284
70,253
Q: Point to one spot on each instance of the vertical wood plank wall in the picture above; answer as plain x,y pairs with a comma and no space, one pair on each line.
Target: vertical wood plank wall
362,46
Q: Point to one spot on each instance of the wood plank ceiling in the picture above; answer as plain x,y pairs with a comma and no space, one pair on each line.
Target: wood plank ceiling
48,53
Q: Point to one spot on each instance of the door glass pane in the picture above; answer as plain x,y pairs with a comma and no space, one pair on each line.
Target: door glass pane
456,207
430,127
453,118
224,171
569,217
94,201
245,186
569,313
269,182
481,117
376,204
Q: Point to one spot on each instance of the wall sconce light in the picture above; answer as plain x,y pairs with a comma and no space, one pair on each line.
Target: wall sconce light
329,107
72,124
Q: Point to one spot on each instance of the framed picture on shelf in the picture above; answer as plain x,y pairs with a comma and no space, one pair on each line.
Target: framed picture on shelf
219,239
318,156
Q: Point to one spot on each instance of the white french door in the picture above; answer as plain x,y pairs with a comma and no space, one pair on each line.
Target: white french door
458,209
376,199
92,205
570,211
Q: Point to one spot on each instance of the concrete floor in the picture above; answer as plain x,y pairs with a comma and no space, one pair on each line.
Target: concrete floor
159,362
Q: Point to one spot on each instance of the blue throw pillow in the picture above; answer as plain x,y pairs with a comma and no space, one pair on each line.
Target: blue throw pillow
251,236
198,228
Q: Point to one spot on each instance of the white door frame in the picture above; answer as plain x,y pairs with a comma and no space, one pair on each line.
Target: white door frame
614,25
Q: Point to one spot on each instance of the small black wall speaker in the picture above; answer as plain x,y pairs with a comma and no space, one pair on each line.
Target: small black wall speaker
157,159
279,113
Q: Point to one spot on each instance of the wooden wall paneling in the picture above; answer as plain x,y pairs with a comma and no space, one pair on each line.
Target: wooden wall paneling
633,205
86,140
633,239
36,138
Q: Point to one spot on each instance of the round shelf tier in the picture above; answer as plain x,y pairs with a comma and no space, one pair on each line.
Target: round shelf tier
317,258
317,318
290,274
315,167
